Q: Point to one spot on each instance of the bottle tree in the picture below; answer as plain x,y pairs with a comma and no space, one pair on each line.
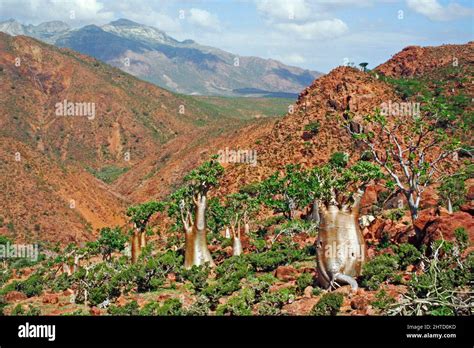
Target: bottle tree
139,215
340,244
240,208
316,181
189,206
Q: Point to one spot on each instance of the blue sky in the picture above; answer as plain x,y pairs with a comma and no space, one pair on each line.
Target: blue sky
314,34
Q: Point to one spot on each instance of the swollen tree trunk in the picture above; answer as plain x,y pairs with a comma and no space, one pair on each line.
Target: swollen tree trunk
314,215
450,206
340,245
142,240
196,250
237,247
227,232
237,243
135,246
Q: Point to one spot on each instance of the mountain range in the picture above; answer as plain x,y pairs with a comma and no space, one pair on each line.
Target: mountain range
181,66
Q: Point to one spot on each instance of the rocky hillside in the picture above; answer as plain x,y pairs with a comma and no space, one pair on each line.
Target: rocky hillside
314,129
136,128
185,67
415,61
276,274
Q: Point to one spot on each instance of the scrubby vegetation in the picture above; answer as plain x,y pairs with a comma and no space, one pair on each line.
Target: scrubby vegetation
266,260
104,275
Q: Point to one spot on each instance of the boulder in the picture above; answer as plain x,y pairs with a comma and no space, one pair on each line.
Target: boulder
300,307
50,298
278,286
94,311
286,273
442,226
308,292
14,296
359,302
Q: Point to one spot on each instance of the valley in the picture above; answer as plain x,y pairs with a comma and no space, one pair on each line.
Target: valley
135,215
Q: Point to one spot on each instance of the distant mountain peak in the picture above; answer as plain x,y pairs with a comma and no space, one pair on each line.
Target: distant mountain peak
53,26
124,22
182,66
188,42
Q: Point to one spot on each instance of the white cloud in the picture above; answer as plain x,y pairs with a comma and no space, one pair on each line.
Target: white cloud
41,10
146,12
323,29
436,12
284,9
292,58
204,19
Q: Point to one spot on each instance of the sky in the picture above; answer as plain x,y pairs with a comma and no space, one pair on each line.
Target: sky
314,34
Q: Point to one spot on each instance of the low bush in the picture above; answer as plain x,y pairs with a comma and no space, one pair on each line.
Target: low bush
171,306
407,254
378,270
382,300
197,275
329,304
272,302
130,308
442,288
33,286
240,304
303,281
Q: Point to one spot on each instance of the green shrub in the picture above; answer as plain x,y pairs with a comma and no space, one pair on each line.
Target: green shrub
313,127
407,254
281,254
378,270
339,159
303,281
234,269
197,275
130,308
395,214
3,304
150,274
462,238
171,306
219,289
272,302
110,240
443,287
61,282
317,291
329,304
240,304
5,275
201,307
33,286
32,310
382,300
